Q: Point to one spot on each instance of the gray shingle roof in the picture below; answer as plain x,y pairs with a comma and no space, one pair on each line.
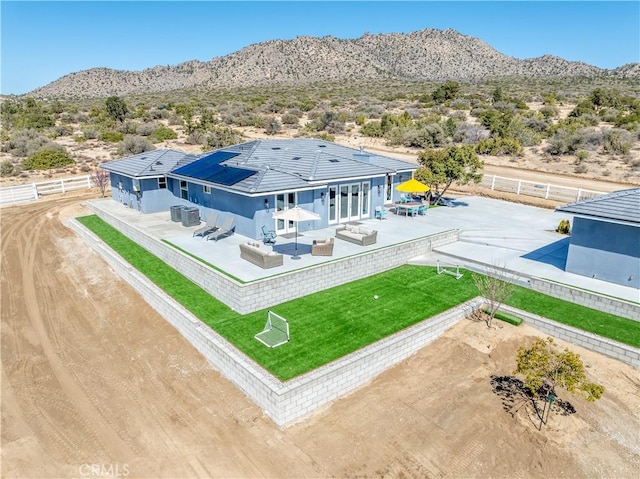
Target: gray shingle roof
299,163
622,206
149,163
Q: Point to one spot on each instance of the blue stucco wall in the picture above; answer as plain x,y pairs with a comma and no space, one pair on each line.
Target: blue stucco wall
606,251
249,212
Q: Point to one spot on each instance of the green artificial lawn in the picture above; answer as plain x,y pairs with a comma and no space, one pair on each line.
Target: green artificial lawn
329,324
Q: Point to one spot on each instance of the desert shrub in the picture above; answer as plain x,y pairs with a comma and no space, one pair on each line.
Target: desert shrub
372,129
360,119
85,168
566,141
470,134
581,155
581,168
91,133
499,146
163,133
25,143
196,137
220,137
548,111
617,141
127,127
460,104
145,129
111,136
156,114
290,119
459,115
134,145
175,120
62,130
564,227
8,168
47,158
272,126
80,139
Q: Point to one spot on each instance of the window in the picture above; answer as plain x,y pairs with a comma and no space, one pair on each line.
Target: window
184,191
162,183
207,189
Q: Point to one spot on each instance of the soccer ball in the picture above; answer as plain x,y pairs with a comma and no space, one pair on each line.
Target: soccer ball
375,297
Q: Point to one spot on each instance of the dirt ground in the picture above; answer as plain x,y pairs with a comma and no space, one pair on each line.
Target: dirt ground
96,384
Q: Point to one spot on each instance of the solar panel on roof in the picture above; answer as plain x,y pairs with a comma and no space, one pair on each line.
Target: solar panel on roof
206,165
209,168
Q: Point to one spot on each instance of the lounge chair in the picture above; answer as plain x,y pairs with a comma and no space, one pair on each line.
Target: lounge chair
209,227
226,229
381,213
322,247
422,210
268,236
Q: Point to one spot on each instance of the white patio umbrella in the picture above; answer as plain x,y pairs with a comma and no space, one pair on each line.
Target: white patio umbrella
296,214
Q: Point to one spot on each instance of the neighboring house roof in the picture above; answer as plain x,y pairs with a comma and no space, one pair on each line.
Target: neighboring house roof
621,206
275,165
148,164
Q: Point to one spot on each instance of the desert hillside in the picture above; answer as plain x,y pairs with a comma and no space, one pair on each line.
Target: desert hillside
426,55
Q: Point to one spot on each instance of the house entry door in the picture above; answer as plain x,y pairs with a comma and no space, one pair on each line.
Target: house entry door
284,201
349,202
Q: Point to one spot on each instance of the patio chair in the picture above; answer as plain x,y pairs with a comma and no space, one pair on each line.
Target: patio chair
380,213
422,210
209,227
226,229
322,247
268,236
412,211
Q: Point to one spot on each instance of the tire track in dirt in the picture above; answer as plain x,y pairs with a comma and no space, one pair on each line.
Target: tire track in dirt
39,290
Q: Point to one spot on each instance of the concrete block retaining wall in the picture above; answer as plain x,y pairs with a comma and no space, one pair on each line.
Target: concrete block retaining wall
283,402
254,296
287,402
608,347
618,307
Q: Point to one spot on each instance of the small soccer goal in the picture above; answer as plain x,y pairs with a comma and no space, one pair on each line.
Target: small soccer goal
449,268
275,332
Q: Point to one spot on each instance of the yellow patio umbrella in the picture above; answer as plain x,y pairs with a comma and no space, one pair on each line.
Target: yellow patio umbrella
412,186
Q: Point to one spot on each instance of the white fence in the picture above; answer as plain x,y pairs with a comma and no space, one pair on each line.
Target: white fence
21,193
540,190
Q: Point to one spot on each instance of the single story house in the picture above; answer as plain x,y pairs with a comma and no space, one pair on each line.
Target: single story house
253,180
605,237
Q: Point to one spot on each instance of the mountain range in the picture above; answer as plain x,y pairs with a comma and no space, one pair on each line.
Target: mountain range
425,55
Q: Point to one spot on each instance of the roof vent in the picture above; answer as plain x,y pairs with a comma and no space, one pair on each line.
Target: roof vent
333,160
276,148
296,158
322,146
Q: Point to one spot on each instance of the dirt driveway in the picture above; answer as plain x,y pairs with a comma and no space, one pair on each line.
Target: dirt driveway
96,384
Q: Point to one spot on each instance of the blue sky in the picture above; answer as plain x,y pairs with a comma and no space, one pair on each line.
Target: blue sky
43,41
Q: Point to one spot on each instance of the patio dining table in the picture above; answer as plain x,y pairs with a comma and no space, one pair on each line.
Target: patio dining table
405,207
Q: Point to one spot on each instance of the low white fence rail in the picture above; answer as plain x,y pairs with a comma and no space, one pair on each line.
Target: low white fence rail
21,193
540,190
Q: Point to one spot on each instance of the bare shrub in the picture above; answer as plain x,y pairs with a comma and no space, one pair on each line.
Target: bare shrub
145,129
617,140
196,137
134,145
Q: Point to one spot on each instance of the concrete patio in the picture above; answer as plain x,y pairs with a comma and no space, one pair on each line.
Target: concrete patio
491,232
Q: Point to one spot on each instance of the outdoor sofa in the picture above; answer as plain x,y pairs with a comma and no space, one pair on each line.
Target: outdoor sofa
260,256
357,234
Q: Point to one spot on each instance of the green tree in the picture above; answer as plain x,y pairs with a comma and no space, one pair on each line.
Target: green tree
440,168
445,92
545,368
116,108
